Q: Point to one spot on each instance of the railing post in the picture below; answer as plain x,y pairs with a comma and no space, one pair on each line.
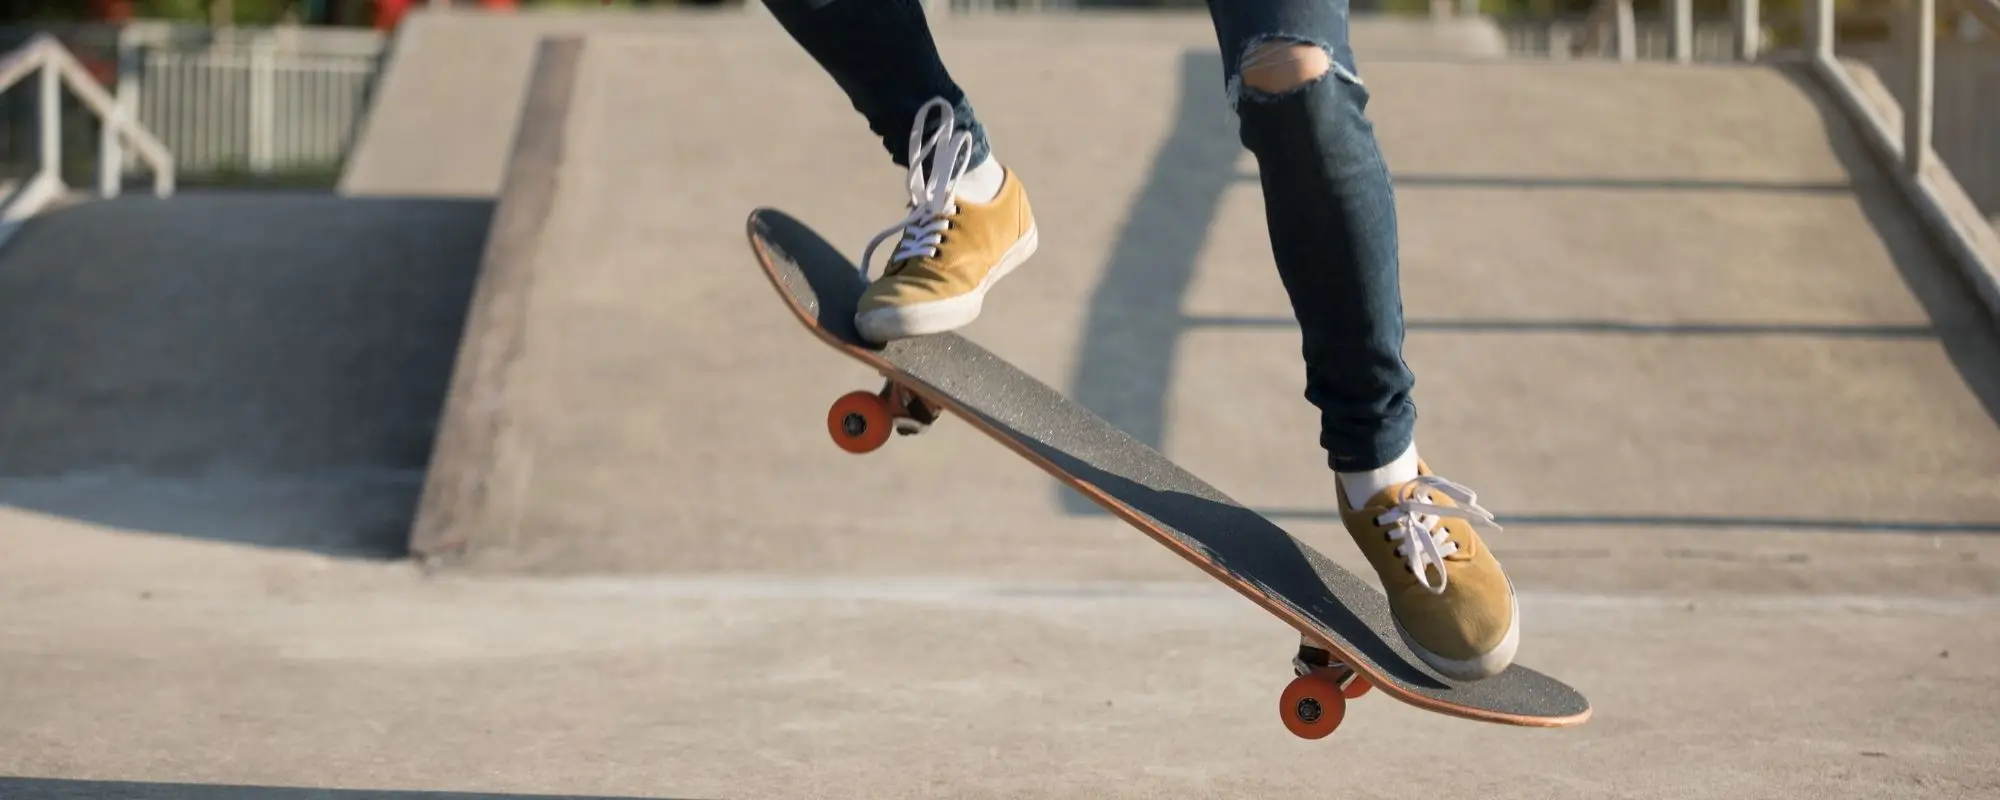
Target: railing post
1628,32
1819,30
1749,29
1919,110
51,122
263,105
1683,14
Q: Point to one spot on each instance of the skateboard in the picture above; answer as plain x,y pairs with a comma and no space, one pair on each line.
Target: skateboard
925,377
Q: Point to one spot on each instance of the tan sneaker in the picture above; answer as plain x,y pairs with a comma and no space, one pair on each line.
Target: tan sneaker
1453,604
950,253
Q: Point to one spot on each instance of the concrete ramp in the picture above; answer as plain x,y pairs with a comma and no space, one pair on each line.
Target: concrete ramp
1654,310
264,368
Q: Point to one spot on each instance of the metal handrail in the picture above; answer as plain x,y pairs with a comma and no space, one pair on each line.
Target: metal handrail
1819,45
1973,244
59,68
1921,43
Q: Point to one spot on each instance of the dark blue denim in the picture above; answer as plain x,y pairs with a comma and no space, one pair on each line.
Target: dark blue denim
881,54
1329,205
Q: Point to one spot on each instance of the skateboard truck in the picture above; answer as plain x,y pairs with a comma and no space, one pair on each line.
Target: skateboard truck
1316,700
861,421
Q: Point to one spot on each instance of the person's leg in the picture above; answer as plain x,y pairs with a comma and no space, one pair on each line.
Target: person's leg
880,52
1331,216
969,221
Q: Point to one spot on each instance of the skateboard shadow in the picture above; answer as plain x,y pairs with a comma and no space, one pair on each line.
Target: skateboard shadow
1135,313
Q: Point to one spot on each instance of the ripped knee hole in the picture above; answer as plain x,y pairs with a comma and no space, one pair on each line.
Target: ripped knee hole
1279,67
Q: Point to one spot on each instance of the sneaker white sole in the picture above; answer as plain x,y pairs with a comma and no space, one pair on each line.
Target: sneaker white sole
951,313
1480,667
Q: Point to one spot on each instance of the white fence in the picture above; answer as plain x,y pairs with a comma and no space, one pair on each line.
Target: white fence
256,100
256,108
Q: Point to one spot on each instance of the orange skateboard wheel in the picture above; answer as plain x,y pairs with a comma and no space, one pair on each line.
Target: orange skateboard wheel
1312,705
1355,688
859,421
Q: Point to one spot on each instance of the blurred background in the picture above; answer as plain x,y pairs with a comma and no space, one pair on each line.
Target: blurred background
271,91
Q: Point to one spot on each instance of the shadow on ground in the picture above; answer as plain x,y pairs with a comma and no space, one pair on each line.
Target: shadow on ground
1135,321
49,789
264,368
1134,325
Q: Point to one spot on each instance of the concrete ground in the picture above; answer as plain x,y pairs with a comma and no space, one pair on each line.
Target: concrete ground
133,660
1670,322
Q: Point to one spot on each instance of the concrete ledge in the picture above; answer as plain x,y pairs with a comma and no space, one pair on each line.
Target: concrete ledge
471,464
1953,221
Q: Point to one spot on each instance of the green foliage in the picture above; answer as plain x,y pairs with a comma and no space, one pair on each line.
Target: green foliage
172,9
242,12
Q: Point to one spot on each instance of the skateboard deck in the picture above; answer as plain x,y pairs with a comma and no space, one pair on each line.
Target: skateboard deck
1349,617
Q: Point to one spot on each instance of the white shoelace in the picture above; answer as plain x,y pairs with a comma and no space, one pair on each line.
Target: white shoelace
950,151
1420,533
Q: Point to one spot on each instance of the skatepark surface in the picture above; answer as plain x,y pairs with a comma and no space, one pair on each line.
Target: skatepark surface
1670,322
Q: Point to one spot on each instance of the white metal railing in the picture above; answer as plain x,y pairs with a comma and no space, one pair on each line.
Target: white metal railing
1905,142
1973,243
1966,97
1617,16
1617,21
47,57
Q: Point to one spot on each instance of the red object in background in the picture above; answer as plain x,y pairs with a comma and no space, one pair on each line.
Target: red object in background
111,10
390,12
115,12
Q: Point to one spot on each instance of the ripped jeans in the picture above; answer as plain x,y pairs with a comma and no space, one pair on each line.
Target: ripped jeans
1329,206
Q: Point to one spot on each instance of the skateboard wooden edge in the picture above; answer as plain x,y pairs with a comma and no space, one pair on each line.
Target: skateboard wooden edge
1137,520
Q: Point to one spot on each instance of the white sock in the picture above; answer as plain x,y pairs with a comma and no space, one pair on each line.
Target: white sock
1363,486
981,183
